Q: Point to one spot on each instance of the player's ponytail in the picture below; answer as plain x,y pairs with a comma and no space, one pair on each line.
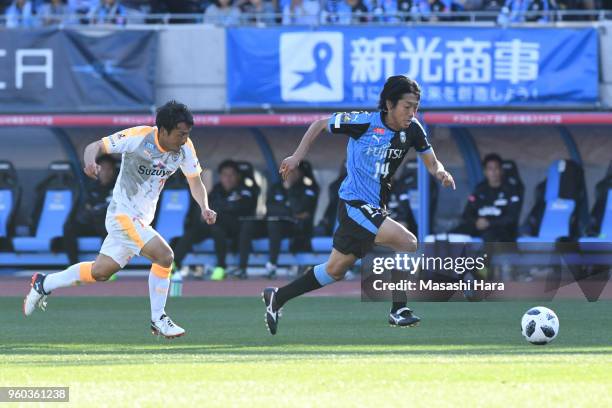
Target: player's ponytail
395,87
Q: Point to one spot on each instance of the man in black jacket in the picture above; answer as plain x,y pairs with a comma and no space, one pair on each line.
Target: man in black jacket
399,206
291,207
231,199
493,209
88,221
327,224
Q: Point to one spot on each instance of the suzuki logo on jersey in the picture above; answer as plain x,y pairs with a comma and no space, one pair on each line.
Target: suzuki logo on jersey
311,66
159,169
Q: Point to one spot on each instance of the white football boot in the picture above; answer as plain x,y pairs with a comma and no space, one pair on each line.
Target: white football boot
36,297
166,327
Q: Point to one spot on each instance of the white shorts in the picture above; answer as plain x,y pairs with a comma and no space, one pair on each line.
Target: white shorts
126,237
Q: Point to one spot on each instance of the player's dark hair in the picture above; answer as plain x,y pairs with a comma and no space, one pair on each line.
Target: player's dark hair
396,87
171,114
106,158
492,157
228,164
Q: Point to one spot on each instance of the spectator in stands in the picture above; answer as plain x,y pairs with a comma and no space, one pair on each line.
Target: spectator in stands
392,11
177,7
291,207
601,208
232,200
88,220
258,12
108,12
301,12
345,11
385,10
492,6
582,5
520,11
493,209
82,7
222,12
415,10
4,4
54,12
142,6
20,14
443,10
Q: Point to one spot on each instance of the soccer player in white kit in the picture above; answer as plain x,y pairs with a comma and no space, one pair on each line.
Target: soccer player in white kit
150,155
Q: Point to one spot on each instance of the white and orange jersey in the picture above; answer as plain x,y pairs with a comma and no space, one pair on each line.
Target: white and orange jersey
145,167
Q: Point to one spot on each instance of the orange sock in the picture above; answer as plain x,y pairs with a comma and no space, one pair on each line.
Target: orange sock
160,271
85,272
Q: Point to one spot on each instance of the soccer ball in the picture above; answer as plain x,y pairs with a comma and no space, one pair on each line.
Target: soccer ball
540,325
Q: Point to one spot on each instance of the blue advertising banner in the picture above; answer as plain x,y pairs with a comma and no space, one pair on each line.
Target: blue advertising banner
69,71
456,67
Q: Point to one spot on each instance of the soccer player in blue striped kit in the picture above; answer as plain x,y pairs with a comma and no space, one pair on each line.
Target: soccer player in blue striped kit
376,148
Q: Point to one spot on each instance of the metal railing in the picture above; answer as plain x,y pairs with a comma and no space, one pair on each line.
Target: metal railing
322,18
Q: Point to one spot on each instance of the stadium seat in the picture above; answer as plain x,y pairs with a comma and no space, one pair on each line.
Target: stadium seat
309,178
554,214
247,172
322,244
600,223
555,224
409,181
208,245
605,231
263,245
512,176
9,198
453,238
6,209
58,194
55,211
89,244
173,209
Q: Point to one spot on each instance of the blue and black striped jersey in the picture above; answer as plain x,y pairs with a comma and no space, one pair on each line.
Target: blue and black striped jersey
373,154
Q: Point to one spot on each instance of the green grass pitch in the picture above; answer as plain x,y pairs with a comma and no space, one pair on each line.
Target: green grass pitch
328,352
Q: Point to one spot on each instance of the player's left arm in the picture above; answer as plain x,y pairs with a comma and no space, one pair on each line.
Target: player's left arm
191,169
200,195
426,152
436,168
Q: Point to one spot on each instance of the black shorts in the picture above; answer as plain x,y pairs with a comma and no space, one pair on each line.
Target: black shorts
358,224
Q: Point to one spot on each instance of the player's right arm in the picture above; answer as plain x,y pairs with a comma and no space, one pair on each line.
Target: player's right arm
292,162
124,141
91,153
353,124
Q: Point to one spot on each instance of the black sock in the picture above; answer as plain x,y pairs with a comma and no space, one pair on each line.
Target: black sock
399,296
305,283
397,306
